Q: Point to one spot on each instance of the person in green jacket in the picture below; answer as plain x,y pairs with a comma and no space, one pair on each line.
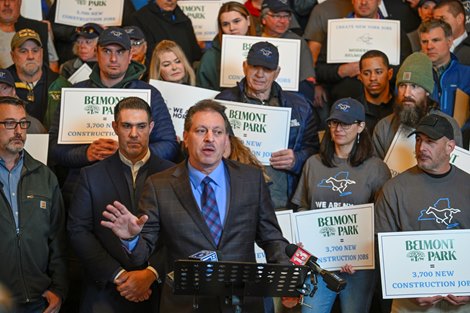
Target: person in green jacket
233,19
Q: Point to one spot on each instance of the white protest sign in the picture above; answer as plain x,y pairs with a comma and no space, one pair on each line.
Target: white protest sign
461,158
37,146
286,222
235,50
202,15
86,114
350,38
179,98
81,74
31,9
424,263
79,12
401,154
338,236
263,129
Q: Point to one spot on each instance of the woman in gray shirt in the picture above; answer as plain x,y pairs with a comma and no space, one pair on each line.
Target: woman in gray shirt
344,173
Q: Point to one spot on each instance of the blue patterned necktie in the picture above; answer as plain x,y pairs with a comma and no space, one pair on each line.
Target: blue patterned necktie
210,211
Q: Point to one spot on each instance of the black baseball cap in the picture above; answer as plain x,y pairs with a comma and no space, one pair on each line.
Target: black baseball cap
134,32
435,127
88,31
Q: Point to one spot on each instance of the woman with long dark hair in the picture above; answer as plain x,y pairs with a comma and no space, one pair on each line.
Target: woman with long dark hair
346,153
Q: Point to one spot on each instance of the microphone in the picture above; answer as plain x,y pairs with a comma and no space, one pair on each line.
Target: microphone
299,256
205,256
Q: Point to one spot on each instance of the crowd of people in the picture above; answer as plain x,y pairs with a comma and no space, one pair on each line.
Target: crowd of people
99,226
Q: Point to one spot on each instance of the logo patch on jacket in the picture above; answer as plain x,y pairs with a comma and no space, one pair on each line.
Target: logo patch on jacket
43,204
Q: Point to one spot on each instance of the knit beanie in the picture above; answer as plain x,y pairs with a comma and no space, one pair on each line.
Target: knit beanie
417,69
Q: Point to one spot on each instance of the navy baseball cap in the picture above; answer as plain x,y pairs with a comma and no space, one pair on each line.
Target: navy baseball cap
422,2
6,78
134,32
347,110
435,127
277,6
115,35
263,54
88,31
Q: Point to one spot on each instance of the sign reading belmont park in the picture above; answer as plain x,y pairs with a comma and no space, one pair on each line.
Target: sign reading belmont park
79,12
263,129
424,263
201,14
87,114
338,236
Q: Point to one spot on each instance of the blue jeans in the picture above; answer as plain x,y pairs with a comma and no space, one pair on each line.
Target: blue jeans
355,298
37,306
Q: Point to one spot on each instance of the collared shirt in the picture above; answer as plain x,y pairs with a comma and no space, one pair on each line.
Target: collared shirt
10,181
457,41
442,69
220,184
135,167
130,245
273,100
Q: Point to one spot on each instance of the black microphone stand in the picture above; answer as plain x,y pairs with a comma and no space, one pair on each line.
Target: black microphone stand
236,280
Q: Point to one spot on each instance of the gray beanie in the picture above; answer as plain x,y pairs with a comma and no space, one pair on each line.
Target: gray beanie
417,69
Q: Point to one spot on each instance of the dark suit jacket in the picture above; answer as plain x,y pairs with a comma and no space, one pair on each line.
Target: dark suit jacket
175,218
99,250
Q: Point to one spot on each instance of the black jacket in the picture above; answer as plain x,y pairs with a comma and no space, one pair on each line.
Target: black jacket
99,250
462,51
38,107
158,25
33,258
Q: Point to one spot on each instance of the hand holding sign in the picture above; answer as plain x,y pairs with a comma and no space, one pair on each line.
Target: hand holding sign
283,159
100,149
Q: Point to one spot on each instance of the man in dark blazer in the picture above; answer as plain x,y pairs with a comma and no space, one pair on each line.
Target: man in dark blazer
172,204
111,284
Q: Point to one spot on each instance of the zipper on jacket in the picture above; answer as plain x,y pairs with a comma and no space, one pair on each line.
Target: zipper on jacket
25,285
26,291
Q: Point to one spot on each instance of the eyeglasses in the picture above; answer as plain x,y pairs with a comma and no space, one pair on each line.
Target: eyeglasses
136,43
86,30
334,124
280,16
14,124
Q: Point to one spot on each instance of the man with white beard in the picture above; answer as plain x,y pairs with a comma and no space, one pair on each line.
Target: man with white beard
32,77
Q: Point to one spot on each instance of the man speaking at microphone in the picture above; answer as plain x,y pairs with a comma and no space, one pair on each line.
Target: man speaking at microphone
203,203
